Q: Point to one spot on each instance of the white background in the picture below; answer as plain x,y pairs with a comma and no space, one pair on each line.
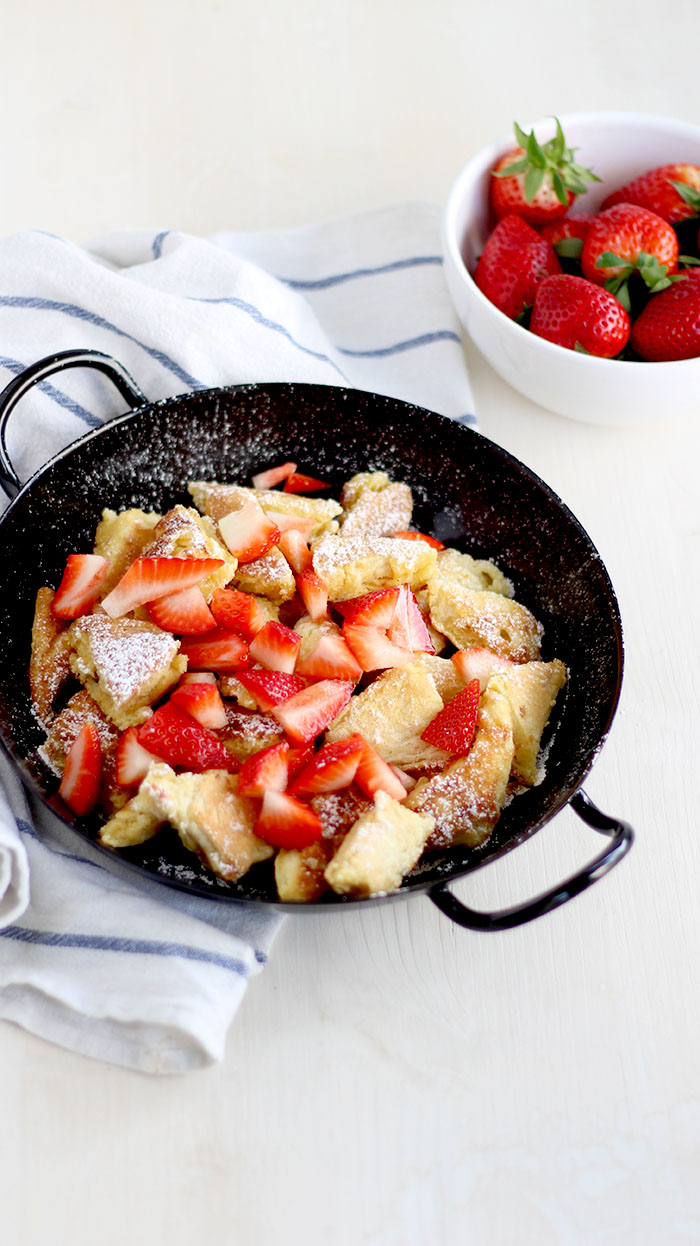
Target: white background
389,1078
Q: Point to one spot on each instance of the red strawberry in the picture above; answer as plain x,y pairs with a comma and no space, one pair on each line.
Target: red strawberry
286,523
186,613
198,677
220,650
375,609
334,766
420,536
150,578
669,326
309,712
270,688
296,550
276,647
203,702
238,612
372,648
298,483
624,239
375,775
80,785
248,533
478,663
80,585
672,191
297,758
314,594
579,315
266,771
331,658
454,727
538,181
287,823
513,262
176,738
408,629
131,760
273,475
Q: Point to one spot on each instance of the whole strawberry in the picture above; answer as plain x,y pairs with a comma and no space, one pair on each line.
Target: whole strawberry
672,191
669,326
538,181
576,314
625,239
513,262
567,231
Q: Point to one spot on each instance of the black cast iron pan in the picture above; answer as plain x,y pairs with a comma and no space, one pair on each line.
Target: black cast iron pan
467,491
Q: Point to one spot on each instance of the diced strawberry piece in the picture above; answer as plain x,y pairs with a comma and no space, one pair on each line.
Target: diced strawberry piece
314,594
276,647
248,533
80,785
375,609
299,483
287,823
286,523
332,767
273,476
408,629
132,760
198,677
186,613
296,550
220,650
203,702
309,712
80,585
374,774
407,780
266,771
176,738
479,664
270,688
297,758
238,612
454,727
331,658
420,536
372,648
150,578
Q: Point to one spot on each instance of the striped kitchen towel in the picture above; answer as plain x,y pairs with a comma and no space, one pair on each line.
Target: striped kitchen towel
91,956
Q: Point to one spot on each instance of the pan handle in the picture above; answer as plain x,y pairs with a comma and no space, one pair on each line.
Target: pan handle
40,371
621,838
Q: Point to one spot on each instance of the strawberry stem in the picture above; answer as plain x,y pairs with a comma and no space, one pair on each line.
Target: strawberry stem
553,161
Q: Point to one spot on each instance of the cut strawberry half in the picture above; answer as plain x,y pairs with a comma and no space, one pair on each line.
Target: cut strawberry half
276,647
287,823
266,771
408,629
374,774
314,594
309,712
248,533
420,536
238,612
131,760
221,650
186,613
286,523
80,785
372,648
273,476
375,609
150,578
334,766
299,483
297,758
198,677
453,729
479,664
176,738
80,585
296,550
331,658
270,688
203,702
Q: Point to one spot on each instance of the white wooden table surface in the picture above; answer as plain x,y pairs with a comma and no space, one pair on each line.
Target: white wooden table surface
389,1078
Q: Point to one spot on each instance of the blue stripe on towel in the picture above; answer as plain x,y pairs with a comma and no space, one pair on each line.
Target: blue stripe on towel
136,947
13,365
158,241
324,283
259,318
425,339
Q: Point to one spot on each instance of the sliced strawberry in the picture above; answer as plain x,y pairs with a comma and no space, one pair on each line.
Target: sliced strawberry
420,536
220,650
248,533
298,483
203,702
374,774
266,771
273,476
286,523
296,550
150,578
80,585
332,767
309,712
270,688
408,629
331,658
176,738
297,758
186,613
454,727
276,647
372,648
80,785
479,664
287,823
238,612
375,609
132,760
314,594
198,677
407,780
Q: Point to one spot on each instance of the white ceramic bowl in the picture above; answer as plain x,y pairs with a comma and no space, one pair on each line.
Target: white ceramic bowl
617,146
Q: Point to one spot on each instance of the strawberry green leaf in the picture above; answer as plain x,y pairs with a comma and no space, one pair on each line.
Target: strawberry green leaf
535,153
581,350
533,180
619,287
569,248
520,135
609,260
559,187
518,166
557,145
688,260
689,194
653,273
